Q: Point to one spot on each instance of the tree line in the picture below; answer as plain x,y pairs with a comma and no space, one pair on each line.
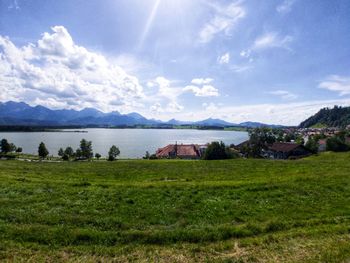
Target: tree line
84,152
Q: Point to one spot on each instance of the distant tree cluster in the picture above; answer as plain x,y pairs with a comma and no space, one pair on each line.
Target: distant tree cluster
7,147
336,117
85,152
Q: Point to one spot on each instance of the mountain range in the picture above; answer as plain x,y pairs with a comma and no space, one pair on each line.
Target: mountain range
22,114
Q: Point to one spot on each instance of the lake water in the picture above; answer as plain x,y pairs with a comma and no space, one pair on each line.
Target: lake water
133,143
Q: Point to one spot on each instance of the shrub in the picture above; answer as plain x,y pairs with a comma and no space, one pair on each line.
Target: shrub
217,151
153,157
19,150
336,144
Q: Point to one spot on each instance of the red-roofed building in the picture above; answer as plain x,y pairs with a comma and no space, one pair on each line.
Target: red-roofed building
183,151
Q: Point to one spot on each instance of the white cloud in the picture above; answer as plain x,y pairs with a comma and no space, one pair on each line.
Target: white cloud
157,108
202,81
64,74
165,88
205,91
210,106
240,68
284,94
225,18
272,40
224,59
245,53
267,41
166,96
336,83
285,6
172,107
284,113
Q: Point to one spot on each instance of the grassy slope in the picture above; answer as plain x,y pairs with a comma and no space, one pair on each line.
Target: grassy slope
236,210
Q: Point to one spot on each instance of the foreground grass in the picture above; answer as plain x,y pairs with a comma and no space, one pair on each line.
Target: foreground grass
176,211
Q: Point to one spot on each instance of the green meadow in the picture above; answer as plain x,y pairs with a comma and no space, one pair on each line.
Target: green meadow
176,211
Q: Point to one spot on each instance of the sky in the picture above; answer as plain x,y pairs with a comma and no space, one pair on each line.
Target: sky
273,61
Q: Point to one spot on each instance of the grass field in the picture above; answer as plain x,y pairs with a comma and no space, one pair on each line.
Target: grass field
176,211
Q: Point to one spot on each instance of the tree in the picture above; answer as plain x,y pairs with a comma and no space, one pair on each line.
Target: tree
65,157
69,152
60,152
312,145
259,140
42,151
147,155
86,149
113,153
19,150
336,144
97,156
217,151
13,147
78,154
5,146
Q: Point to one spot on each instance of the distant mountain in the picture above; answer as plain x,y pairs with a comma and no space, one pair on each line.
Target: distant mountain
336,117
214,122
20,113
176,122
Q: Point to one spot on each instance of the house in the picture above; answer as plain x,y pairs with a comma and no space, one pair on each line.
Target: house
183,151
241,146
322,145
285,150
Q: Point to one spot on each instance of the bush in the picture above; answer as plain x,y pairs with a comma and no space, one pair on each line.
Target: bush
217,151
19,150
153,157
336,144
65,157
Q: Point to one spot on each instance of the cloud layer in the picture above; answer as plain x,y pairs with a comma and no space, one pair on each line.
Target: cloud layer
56,72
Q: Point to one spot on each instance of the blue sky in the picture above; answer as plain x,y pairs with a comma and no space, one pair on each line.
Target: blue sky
275,61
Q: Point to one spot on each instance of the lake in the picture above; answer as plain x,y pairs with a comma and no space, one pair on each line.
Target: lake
133,143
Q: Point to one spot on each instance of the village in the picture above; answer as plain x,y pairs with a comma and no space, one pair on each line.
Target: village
286,143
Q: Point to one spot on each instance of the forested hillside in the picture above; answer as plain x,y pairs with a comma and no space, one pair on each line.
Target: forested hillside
336,117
